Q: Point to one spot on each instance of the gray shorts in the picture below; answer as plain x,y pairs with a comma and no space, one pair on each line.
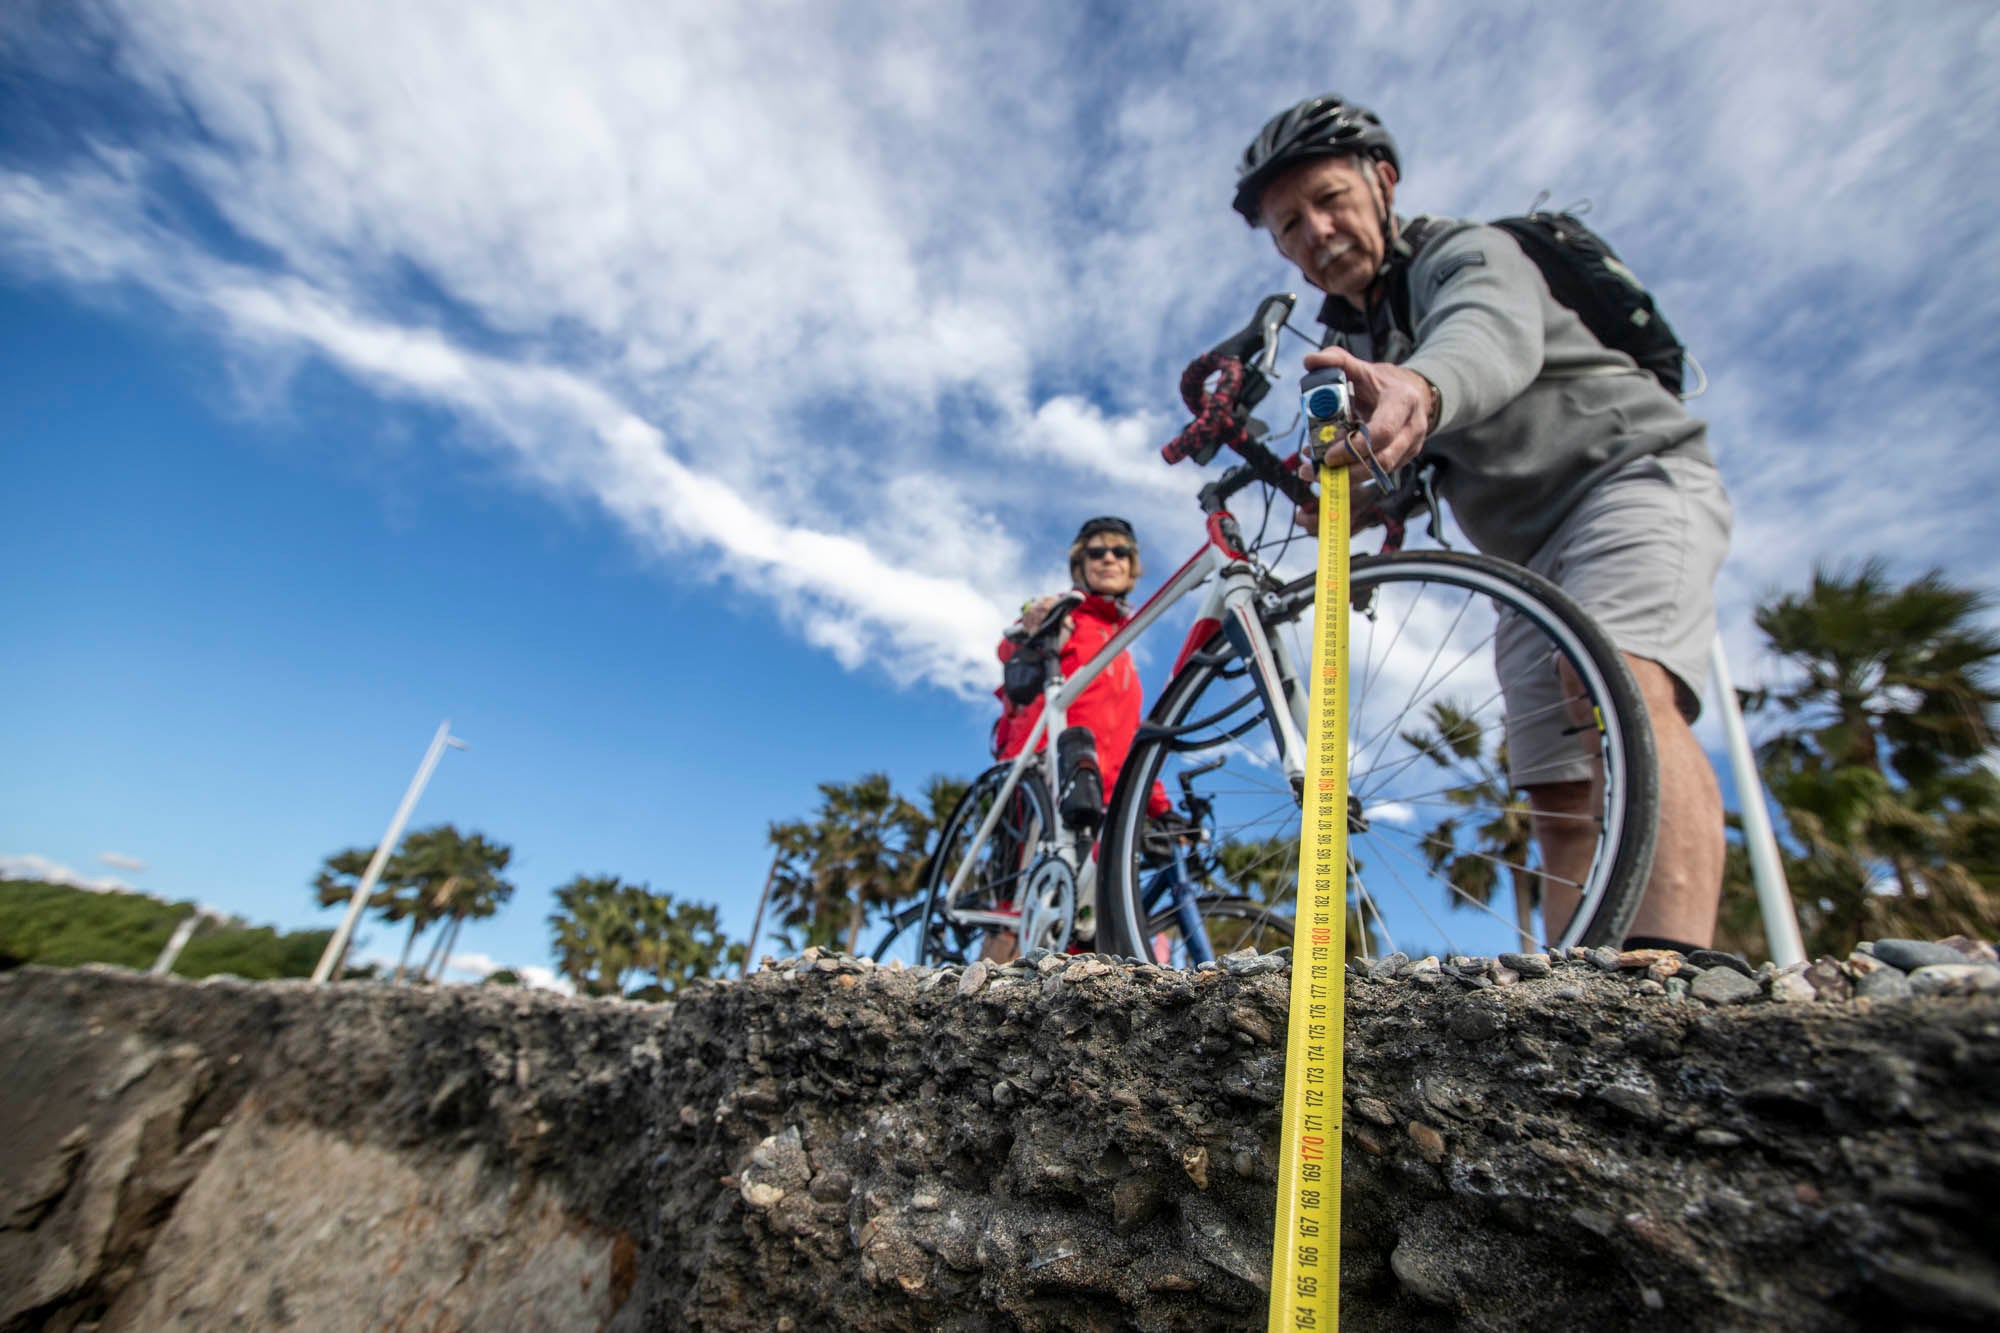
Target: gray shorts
1640,554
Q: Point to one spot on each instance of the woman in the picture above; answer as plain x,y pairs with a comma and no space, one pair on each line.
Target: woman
1104,565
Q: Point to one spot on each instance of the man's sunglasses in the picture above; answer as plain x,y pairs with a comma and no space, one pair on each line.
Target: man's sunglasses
1099,552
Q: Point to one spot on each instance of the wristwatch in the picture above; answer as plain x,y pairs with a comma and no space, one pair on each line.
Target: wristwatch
1437,401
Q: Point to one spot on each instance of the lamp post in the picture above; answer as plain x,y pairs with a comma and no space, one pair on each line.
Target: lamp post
178,940
336,947
1774,896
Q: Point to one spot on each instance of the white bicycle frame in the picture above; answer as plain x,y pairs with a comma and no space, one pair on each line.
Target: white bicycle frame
1232,602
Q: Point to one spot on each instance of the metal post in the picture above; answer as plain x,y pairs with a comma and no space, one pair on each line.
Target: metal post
336,946
176,942
1774,896
757,926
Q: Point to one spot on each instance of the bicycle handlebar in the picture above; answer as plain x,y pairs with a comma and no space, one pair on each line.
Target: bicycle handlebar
1241,365
1064,604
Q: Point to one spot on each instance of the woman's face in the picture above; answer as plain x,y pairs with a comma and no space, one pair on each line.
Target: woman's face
1107,563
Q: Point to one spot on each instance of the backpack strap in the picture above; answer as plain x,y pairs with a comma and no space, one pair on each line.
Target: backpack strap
1393,312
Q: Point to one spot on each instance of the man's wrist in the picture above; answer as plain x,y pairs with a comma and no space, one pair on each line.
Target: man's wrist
1435,401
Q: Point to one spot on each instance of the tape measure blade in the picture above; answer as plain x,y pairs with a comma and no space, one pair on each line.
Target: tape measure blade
1305,1240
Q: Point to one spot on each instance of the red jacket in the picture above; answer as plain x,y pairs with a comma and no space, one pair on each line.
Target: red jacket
1110,707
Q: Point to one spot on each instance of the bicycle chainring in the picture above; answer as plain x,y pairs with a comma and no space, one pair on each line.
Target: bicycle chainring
1048,910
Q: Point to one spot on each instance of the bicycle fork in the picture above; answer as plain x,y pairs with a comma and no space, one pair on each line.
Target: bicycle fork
1272,670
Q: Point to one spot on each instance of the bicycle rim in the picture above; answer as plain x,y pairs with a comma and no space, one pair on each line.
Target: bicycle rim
1443,858
930,932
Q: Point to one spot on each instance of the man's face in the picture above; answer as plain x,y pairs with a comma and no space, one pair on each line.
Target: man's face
1324,216
1107,563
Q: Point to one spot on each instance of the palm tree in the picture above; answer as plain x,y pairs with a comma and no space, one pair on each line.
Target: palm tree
595,940
1495,815
864,849
1882,770
677,943
607,929
450,876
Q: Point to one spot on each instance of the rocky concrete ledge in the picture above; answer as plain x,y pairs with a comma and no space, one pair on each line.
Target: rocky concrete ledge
1057,1143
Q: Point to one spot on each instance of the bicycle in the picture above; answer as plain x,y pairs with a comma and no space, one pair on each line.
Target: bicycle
1427,742
1022,884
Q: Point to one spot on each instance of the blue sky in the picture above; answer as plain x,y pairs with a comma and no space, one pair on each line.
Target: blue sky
676,397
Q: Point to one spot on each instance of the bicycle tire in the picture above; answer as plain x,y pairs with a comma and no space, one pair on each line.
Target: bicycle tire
1232,925
1211,704
924,933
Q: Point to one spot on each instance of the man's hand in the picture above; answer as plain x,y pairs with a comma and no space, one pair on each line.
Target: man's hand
1396,404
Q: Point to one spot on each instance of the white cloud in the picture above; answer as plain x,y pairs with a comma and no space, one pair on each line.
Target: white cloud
747,280
120,861
32,866
542,978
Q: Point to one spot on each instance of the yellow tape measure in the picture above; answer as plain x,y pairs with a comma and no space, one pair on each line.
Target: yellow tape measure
1305,1244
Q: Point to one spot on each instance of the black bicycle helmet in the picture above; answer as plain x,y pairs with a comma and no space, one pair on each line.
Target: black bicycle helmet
1323,126
1105,523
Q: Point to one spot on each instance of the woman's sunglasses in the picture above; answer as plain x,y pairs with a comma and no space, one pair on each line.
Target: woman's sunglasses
1099,552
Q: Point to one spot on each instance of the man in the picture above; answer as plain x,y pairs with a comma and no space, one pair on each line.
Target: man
1556,453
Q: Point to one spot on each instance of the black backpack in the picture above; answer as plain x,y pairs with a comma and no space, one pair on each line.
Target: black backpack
1585,274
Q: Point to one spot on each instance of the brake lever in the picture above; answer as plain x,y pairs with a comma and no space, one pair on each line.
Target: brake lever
1271,317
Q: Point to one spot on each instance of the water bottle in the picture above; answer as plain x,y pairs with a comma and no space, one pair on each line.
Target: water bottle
1082,801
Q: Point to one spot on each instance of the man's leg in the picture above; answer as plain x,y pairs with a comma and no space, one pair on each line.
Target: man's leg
1686,884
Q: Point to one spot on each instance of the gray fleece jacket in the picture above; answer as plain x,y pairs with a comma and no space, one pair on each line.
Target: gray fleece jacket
1536,410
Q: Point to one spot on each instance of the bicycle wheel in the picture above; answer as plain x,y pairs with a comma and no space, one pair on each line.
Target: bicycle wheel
1443,856
1231,924
931,932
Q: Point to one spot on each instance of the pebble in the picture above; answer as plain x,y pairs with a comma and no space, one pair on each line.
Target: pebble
1568,992
1717,1138
1793,987
1670,966
1651,987
1956,979
1722,985
1977,951
974,978
1430,1143
1506,976
1426,966
1714,958
1828,981
1884,983
1603,959
1526,964
1385,969
1677,989
1634,959
1909,955
1254,965
1374,1108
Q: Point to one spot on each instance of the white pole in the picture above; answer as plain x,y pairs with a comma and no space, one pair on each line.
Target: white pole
757,926
176,942
1774,896
338,944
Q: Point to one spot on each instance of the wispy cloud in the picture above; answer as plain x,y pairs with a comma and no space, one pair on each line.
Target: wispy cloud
33,866
120,861
745,282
